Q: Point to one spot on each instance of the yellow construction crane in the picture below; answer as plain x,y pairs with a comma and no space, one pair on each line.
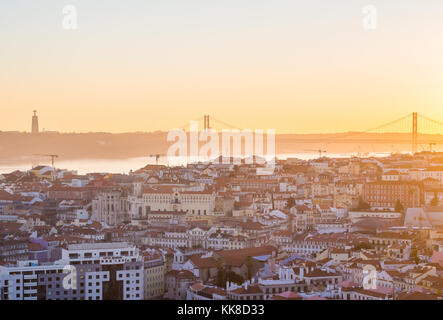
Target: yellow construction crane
157,156
53,156
320,151
431,144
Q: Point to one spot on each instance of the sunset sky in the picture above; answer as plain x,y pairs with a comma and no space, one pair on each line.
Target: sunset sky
294,66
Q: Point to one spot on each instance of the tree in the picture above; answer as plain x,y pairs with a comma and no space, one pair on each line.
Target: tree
434,202
249,265
414,256
290,203
363,245
231,276
224,276
221,277
363,205
399,207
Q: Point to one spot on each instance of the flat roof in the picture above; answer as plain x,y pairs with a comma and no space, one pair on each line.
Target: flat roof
98,246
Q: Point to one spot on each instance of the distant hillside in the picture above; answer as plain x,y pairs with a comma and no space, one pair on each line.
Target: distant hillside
20,147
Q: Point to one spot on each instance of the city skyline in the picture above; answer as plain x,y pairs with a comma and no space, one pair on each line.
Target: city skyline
149,66
221,156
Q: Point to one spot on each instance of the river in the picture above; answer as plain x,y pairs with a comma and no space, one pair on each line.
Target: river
83,166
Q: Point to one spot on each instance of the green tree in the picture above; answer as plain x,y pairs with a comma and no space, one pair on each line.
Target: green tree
363,245
290,203
221,277
249,265
414,256
231,276
399,207
363,205
434,202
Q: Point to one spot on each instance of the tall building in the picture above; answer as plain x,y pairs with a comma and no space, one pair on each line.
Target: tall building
35,122
103,271
110,208
170,198
387,193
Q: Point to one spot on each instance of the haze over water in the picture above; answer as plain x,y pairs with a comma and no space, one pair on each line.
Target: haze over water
84,166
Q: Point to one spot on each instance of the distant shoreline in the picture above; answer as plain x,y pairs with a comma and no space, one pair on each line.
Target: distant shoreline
22,148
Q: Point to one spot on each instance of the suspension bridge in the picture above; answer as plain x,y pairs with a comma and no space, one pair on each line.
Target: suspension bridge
417,128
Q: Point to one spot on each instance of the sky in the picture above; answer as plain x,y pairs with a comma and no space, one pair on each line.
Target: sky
289,65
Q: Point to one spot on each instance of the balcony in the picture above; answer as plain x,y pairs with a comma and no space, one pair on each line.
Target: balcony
30,291
30,276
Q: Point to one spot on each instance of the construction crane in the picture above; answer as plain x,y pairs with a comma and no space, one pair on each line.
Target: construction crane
431,144
156,156
320,151
53,156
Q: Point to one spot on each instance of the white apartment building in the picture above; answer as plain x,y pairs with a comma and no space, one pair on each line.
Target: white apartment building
431,172
118,270
355,216
21,282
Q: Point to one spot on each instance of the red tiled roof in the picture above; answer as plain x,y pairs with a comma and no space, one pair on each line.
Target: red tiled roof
287,295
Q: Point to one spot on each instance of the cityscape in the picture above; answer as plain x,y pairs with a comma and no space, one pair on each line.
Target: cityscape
353,228
204,155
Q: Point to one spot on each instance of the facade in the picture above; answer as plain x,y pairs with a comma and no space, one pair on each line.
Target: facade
28,281
13,250
154,277
177,284
110,208
387,215
387,193
104,271
435,172
115,270
194,203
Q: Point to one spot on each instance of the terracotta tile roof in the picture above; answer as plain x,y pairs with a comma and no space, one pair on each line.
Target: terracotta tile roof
183,274
416,296
287,295
200,262
252,289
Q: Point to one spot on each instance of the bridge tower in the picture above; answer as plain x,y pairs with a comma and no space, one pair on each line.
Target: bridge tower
414,132
206,122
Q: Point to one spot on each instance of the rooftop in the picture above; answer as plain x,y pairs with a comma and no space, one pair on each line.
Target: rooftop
98,246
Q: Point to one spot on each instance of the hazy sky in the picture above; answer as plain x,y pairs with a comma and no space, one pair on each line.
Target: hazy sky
295,66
